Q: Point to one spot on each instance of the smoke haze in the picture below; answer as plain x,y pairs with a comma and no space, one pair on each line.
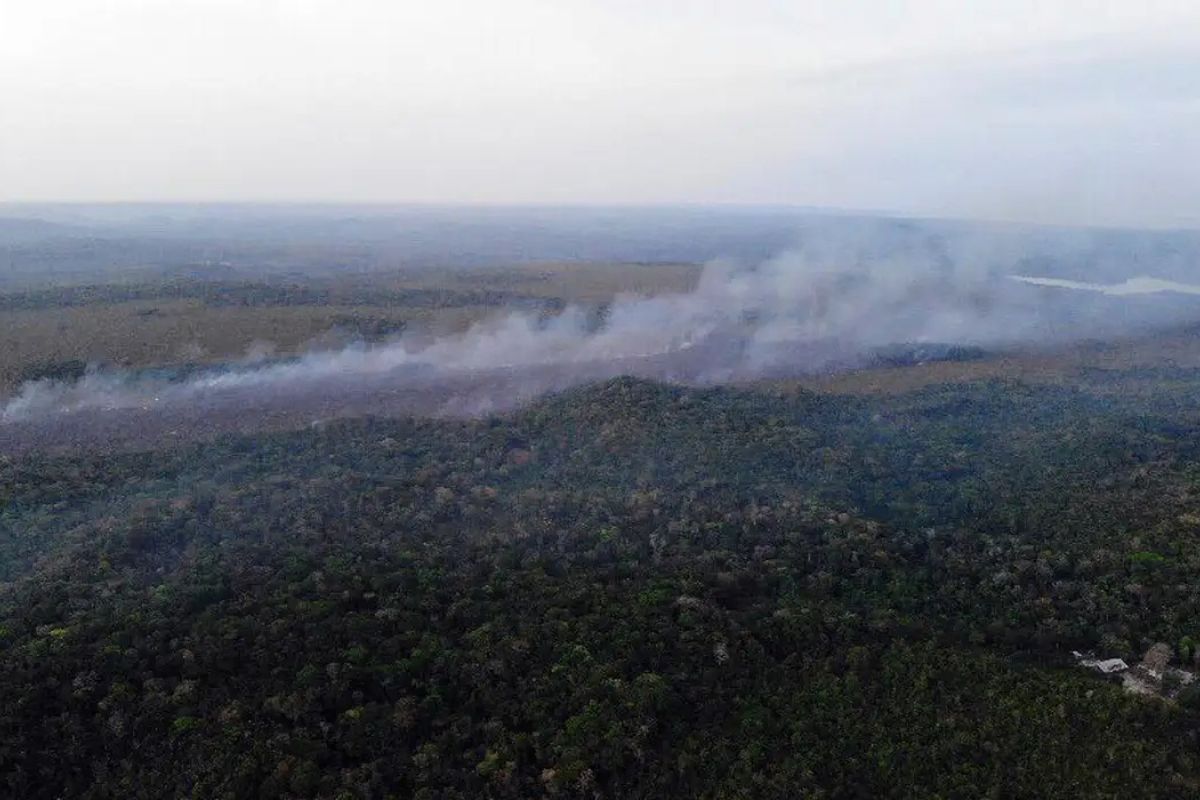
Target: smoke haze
829,304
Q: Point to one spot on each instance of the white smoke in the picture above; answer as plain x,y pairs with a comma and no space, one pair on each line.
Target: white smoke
798,312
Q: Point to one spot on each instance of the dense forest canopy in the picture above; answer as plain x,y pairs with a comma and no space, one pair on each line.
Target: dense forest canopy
628,590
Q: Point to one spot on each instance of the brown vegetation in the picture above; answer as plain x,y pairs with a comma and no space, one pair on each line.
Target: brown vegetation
162,331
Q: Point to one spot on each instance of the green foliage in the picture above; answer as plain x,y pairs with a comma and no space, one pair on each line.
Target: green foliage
184,724
65,370
630,590
1147,559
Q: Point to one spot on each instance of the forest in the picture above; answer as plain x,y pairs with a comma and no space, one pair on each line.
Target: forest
630,589
599,400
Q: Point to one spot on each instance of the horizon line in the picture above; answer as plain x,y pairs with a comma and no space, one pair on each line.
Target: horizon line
1179,226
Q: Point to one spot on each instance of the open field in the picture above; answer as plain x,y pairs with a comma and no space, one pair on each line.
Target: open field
158,324
1093,365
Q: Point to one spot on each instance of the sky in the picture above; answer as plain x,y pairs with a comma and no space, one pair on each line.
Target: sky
1081,112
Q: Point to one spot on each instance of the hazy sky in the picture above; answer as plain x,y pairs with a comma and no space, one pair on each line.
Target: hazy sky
1081,111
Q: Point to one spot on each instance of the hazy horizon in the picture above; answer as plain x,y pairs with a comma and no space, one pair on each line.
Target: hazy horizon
60,210
1078,113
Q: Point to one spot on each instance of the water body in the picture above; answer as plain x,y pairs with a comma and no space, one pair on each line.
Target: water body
1133,286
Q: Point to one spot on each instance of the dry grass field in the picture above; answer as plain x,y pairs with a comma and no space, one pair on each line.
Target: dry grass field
158,331
572,282
1109,366
161,331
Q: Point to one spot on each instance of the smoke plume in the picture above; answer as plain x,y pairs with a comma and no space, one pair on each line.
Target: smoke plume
827,305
